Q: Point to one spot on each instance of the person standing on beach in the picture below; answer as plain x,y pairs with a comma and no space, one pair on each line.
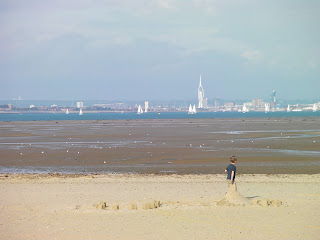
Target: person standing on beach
231,169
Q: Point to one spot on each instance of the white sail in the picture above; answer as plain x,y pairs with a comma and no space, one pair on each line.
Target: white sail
244,108
315,107
190,109
266,108
288,108
140,111
194,111
67,112
80,112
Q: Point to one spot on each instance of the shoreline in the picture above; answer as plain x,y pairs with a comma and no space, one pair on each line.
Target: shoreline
24,176
132,116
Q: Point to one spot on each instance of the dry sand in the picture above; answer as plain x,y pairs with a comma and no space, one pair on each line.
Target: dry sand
140,207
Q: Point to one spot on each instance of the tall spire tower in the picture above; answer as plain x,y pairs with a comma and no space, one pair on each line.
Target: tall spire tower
200,95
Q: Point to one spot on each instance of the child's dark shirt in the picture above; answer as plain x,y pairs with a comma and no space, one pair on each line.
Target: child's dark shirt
231,168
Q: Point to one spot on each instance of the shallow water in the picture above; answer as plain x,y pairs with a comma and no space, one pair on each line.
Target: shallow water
42,116
161,146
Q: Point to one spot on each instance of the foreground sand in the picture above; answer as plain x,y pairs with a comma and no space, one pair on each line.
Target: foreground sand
62,207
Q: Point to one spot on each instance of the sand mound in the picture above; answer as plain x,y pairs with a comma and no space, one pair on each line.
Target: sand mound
152,205
132,206
101,205
234,198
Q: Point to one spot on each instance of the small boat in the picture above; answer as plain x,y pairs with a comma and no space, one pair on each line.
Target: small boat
245,108
266,108
190,109
140,111
289,108
194,109
314,107
80,112
67,112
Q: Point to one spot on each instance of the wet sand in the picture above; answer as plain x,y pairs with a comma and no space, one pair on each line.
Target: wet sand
132,206
196,146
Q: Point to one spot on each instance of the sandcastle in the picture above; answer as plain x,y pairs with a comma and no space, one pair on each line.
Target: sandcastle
101,205
132,206
234,198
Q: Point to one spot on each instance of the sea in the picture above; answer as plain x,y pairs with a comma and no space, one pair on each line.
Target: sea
43,116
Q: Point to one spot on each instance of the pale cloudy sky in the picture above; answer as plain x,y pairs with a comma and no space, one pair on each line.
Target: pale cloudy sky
152,49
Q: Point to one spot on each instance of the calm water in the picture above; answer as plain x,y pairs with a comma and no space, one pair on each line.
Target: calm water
162,115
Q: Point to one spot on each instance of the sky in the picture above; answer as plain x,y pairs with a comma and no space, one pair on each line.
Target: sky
152,49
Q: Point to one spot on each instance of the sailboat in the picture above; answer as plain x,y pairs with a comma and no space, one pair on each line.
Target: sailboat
288,108
266,108
194,109
67,112
315,107
245,109
80,112
140,111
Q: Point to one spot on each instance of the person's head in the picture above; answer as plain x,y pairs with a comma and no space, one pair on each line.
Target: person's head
233,159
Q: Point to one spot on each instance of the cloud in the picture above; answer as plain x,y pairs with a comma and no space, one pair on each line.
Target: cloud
164,4
312,64
208,5
252,56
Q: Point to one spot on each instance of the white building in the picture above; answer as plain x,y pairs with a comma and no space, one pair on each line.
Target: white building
200,95
79,104
146,106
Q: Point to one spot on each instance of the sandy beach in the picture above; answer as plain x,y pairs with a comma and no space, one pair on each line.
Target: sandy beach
131,206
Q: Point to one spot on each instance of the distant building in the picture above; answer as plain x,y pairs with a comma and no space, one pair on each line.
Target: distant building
200,95
272,105
256,102
205,103
273,98
6,107
229,105
79,104
146,106
216,102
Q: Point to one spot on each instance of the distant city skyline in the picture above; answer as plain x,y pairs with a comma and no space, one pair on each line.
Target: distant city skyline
155,50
